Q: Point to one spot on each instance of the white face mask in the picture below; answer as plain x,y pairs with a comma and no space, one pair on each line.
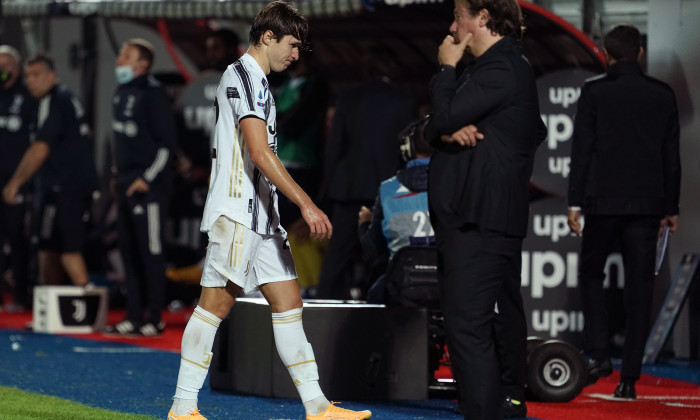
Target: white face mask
124,74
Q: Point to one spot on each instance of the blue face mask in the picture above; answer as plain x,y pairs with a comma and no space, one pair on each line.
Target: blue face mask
124,74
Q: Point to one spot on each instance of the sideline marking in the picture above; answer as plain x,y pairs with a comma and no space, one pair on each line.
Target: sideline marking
113,350
660,399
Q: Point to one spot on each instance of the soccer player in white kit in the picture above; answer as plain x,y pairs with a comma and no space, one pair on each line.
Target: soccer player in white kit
248,249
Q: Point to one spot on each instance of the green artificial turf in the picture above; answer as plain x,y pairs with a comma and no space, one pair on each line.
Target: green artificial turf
20,405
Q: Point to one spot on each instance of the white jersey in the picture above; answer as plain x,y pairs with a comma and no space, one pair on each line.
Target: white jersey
237,188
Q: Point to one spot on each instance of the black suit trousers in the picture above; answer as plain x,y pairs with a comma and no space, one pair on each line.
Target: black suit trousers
638,235
140,225
476,270
13,233
336,278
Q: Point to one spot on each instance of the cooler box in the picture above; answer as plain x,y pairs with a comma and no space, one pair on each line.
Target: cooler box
69,309
363,351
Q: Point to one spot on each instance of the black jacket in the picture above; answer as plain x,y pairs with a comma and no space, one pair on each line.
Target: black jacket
625,151
70,165
362,150
487,185
17,108
143,131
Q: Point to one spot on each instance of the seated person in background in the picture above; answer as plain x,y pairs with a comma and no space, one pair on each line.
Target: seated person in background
400,214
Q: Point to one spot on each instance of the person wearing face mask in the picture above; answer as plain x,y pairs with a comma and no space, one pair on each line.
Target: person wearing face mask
61,156
17,107
144,135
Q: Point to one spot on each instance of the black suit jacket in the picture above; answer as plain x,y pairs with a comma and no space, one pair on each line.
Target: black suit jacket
363,149
625,151
486,185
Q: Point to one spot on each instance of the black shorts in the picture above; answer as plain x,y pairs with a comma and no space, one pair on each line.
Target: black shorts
61,223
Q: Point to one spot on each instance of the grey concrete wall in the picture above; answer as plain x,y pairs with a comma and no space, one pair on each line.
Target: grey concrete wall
674,57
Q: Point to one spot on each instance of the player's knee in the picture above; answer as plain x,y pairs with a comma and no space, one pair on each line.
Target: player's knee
216,301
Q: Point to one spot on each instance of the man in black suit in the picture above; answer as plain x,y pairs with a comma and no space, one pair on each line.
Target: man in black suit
361,152
625,177
478,196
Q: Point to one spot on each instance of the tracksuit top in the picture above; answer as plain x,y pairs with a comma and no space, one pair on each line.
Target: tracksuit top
143,131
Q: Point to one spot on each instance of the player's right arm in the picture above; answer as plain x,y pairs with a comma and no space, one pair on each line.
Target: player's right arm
255,133
33,158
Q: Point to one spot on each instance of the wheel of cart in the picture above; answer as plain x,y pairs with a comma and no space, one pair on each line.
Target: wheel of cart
556,371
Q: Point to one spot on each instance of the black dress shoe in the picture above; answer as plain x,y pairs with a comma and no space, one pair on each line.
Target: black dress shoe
625,390
514,408
598,368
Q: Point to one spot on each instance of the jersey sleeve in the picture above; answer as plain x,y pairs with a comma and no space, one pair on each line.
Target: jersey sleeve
244,93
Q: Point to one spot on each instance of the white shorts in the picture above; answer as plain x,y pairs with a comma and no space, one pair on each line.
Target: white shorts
246,257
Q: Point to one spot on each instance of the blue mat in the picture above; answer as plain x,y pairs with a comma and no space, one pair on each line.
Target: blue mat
132,379
138,380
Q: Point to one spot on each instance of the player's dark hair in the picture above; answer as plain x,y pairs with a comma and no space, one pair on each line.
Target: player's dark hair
506,18
623,42
282,19
42,58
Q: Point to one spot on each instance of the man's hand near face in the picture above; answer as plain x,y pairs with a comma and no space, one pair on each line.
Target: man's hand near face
451,51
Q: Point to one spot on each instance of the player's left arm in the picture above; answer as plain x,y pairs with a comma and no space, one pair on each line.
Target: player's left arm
161,125
255,133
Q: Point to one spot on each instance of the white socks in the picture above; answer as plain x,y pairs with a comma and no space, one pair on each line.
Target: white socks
297,355
197,342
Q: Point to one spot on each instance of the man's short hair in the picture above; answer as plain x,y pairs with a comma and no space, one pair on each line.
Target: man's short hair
42,58
145,49
623,42
227,36
12,52
506,18
282,19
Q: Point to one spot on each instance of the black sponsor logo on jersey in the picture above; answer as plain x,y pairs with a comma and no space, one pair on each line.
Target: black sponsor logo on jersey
250,205
213,153
272,129
232,92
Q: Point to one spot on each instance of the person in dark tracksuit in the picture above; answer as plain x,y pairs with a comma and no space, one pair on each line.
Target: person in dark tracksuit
61,156
144,136
625,178
17,107
485,127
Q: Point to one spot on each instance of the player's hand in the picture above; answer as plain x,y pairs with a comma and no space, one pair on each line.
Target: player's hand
365,215
574,221
451,51
183,165
9,193
138,186
466,136
318,222
671,222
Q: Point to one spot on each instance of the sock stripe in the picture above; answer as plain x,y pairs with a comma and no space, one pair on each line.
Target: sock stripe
194,363
199,315
288,321
278,316
205,320
300,363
